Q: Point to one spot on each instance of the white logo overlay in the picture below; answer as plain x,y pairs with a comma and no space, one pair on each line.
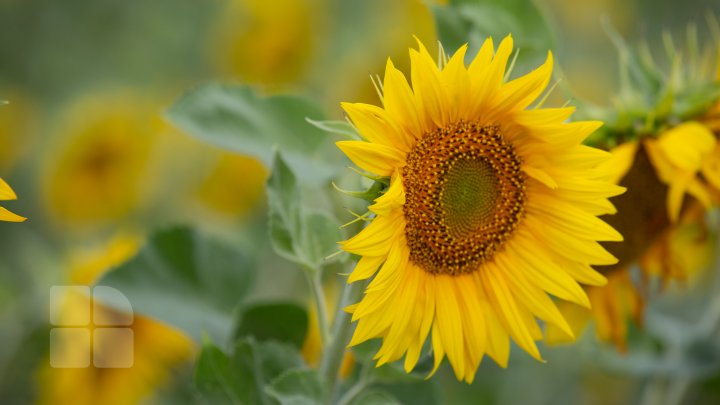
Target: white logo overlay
88,333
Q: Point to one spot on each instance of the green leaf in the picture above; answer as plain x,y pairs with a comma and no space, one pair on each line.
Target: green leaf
297,387
283,322
303,237
236,118
375,397
336,127
471,21
239,378
186,279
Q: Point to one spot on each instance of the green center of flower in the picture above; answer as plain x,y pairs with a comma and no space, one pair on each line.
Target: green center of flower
469,194
464,196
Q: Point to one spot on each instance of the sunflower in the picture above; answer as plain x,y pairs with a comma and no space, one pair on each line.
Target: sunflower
672,181
157,348
491,206
7,193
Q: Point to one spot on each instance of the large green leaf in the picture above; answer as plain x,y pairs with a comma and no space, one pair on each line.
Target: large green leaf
298,235
186,279
375,397
472,21
297,387
283,322
241,376
236,118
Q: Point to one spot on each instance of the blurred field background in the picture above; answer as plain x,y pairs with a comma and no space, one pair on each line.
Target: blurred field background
96,166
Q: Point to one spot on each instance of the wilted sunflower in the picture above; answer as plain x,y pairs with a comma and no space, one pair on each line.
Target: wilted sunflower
491,205
7,193
662,131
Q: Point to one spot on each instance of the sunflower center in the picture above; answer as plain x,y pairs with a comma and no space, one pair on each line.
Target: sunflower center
465,194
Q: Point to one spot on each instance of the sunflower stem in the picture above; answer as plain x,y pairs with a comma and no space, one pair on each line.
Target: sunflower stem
315,282
334,351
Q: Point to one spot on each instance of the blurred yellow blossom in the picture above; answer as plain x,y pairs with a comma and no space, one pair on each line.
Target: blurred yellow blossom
96,171
157,347
266,42
235,185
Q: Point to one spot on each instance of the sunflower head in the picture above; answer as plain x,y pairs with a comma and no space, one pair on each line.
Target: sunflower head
491,206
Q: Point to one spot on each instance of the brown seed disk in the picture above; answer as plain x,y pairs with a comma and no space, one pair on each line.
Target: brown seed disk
464,196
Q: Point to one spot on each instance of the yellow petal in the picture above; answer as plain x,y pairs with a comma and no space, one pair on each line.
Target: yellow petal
519,93
399,100
365,268
373,240
430,93
375,125
8,216
393,198
506,306
373,157
620,162
6,193
687,145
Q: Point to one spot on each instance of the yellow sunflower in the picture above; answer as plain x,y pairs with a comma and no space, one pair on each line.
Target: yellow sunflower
7,193
157,348
665,231
491,206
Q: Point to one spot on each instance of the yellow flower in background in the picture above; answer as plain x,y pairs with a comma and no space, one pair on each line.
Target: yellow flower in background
235,185
157,347
665,231
266,42
96,171
687,160
7,193
491,206
18,124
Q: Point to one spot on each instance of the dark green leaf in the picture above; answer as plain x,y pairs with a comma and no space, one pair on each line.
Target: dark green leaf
283,322
186,279
471,21
236,118
238,378
297,387
375,397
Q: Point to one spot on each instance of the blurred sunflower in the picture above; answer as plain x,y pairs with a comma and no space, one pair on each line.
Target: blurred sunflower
157,348
18,122
7,193
491,205
235,185
668,158
266,42
96,171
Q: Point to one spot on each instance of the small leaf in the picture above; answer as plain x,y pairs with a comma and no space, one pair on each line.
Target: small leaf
236,118
283,322
375,397
186,279
303,237
297,387
336,127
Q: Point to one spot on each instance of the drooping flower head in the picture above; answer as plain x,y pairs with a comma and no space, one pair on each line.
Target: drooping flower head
491,206
663,133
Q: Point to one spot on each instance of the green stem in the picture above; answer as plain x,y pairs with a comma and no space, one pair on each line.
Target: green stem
315,282
334,351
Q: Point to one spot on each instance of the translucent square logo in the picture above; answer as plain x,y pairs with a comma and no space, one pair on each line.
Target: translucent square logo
86,332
